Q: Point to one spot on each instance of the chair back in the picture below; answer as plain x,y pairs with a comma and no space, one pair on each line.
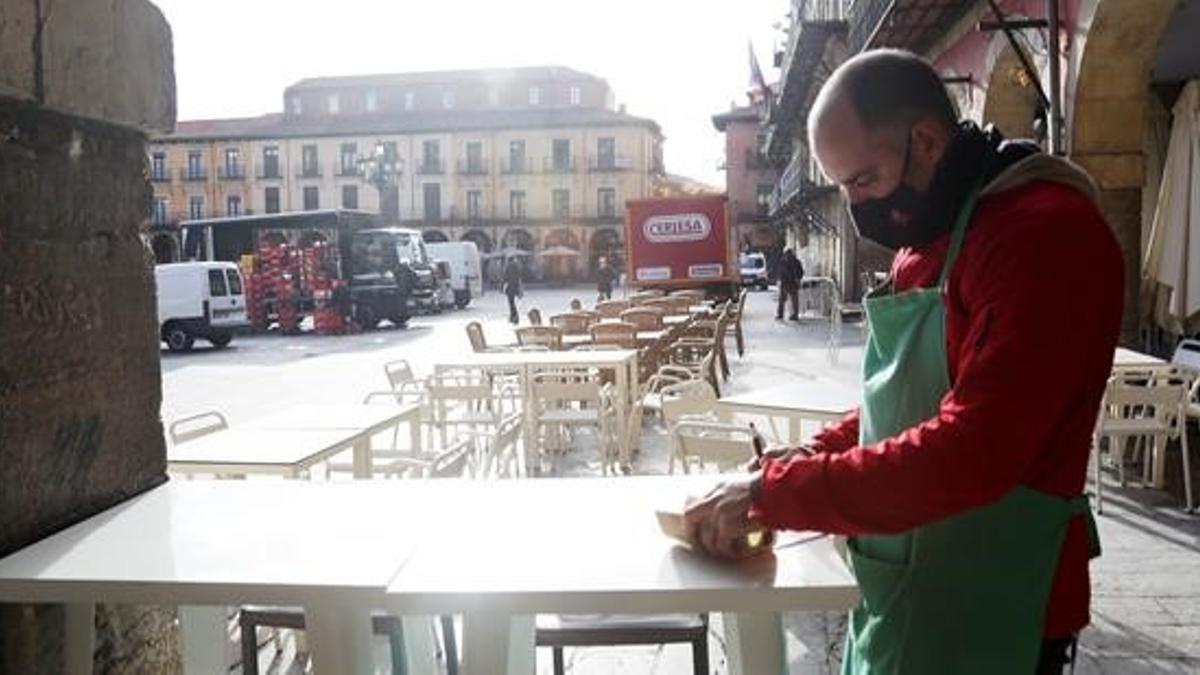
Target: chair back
611,309
194,426
727,446
554,388
460,385
694,295
592,317
398,372
690,397
475,335
644,318
1129,396
576,304
1187,354
546,336
572,323
623,335
535,316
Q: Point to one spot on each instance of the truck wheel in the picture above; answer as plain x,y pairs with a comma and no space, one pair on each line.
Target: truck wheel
178,339
365,316
220,340
462,299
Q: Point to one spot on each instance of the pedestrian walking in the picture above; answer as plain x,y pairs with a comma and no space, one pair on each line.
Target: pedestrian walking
959,480
606,276
791,273
512,288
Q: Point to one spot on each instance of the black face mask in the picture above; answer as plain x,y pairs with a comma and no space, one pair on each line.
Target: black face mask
873,217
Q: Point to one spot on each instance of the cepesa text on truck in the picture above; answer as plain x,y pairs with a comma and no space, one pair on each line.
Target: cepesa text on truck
681,242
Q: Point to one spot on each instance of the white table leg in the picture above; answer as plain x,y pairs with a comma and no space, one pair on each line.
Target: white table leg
414,431
206,643
420,645
490,639
528,435
339,638
755,643
79,638
623,399
361,453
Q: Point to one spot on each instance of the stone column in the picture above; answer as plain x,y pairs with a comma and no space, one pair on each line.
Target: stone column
81,84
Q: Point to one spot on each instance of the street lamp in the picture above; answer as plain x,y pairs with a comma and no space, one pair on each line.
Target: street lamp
382,170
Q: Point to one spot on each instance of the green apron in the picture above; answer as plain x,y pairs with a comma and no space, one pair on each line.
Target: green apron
966,594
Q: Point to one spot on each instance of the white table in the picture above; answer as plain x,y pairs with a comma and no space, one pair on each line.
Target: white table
814,400
621,362
329,547
1129,359
367,420
508,550
279,452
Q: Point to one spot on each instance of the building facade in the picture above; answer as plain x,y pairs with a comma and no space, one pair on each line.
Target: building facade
750,179
510,159
1120,66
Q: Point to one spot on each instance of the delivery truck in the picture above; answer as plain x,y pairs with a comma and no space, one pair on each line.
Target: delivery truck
681,242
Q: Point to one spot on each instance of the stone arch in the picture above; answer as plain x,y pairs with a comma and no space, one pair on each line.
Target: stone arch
518,238
482,241
434,236
165,247
1012,103
561,267
1107,112
607,243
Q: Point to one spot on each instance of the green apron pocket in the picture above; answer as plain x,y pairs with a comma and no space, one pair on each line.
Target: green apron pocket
878,625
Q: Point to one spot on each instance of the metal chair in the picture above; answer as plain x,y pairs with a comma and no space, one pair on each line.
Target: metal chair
546,336
611,309
565,398
728,446
623,335
644,318
559,631
571,323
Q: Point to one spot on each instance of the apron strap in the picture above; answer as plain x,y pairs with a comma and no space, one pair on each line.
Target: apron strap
1081,507
959,233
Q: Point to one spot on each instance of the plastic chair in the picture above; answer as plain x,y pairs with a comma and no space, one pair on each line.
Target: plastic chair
475,335
1136,407
196,426
1187,355
576,304
573,397
728,446
535,316
571,323
611,309
462,398
546,336
683,400
401,378
623,335
644,318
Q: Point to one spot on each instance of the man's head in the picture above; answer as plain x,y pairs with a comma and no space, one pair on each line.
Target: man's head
879,128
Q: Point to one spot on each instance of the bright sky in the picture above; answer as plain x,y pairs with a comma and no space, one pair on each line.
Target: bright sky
675,61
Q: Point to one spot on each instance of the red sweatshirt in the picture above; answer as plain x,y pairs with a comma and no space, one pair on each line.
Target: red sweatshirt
1033,314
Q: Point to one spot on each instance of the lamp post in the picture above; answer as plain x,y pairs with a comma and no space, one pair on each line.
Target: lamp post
382,170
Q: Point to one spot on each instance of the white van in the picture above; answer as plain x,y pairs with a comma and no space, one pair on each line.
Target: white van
466,270
199,300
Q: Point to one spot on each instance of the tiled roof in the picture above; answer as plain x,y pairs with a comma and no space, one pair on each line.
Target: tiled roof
276,126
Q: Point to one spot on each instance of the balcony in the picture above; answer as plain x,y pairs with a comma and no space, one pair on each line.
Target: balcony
797,185
757,161
161,176
194,174
269,172
232,171
307,170
468,168
347,168
909,24
558,165
604,163
517,166
431,166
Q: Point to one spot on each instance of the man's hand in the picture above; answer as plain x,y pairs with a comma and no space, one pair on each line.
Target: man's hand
780,453
719,522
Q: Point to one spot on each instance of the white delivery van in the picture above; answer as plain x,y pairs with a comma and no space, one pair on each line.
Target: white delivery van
199,300
466,270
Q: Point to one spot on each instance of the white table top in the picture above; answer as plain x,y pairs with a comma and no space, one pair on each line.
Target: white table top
259,447
334,417
593,545
609,358
1124,358
799,396
226,542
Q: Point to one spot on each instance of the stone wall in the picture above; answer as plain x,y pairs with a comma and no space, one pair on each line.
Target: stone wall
81,84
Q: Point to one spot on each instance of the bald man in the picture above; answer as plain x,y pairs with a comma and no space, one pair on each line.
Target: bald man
959,481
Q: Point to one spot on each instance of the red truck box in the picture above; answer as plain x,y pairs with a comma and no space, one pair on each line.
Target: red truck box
680,242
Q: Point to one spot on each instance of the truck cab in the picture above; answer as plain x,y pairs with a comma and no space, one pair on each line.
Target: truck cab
199,300
390,271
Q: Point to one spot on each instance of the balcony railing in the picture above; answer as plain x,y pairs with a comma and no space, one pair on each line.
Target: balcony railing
347,168
865,16
517,165
431,166
193,175
308,171
231,171
161,176
269,172
615,163
468,168
799,180
558,164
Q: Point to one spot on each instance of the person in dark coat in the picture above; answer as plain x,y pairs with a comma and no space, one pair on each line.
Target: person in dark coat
791,272
512,288
606,276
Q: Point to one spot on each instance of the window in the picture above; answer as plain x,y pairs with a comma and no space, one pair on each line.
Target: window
158,166
233,206
235,282
233,163
606,202
334,104
312,198
372,100
762,198
216,283
308,161
474,205
560,202
389,152
295,103
349,196
433,202
575,95
271,161
271,200
160,211
447,99
606,152
409,100
349,159
431,160
516,156
561,151
195,208
535,95
475,157
195,170
516,204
